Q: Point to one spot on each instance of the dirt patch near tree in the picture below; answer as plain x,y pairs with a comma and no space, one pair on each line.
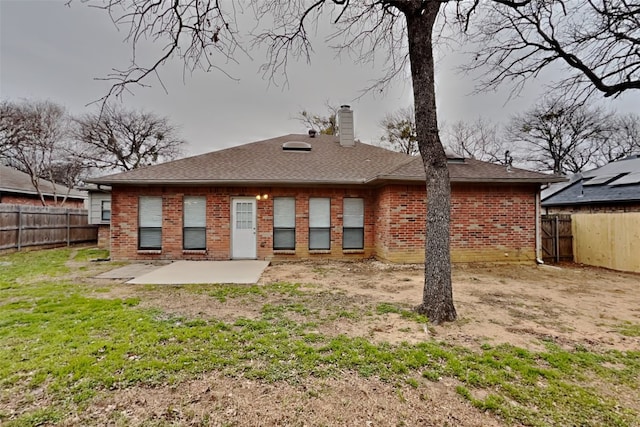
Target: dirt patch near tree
522,305
515,304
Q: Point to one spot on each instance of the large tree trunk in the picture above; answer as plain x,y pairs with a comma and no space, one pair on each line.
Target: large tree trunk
437,299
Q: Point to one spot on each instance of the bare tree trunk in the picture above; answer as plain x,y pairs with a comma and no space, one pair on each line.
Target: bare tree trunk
437,299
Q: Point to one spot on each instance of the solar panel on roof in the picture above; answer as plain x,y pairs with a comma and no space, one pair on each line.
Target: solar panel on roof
599,180
632,178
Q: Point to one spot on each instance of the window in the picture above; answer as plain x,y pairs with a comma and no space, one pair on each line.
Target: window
105,210
353,224
284,223
244,215
194,232
150,223
320,223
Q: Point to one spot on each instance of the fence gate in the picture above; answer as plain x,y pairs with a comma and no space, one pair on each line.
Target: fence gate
557,240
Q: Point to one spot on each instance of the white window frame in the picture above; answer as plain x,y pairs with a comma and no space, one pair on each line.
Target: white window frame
319,222
284,221
149,221
194,222
353,221
104,211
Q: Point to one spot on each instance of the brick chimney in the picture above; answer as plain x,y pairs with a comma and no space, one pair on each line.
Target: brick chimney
345,126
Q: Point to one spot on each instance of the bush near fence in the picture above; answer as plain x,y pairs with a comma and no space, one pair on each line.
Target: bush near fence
29,227
610,240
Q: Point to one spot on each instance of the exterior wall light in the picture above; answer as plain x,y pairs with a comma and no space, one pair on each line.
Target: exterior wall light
262,197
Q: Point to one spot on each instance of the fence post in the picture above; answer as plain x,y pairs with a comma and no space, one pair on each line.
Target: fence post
556,235
68,228
19,243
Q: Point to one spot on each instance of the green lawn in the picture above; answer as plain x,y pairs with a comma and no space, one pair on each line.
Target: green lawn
58,338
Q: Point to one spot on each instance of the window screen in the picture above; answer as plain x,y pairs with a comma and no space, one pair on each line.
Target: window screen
320,223
353,224
284,223
194,235
150,222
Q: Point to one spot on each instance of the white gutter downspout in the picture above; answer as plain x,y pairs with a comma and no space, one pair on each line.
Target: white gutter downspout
538,238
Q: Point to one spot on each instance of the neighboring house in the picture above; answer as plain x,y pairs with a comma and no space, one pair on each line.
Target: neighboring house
16,188
614,187
604,205
99,205
307,196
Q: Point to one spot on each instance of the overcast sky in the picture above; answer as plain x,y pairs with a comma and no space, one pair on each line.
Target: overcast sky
50,51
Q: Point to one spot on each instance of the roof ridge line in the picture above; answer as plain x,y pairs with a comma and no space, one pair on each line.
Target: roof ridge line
392,169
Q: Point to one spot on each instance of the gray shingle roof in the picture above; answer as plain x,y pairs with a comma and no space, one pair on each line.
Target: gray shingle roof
471,170
265,162
15,181
609,187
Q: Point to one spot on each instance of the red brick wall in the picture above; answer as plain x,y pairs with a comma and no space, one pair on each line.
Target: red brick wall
400,223
489,222
104,236
35,201
493,222
124,222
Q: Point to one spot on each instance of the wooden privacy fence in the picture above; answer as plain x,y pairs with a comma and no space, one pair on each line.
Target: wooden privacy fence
610,240
557,238
39,226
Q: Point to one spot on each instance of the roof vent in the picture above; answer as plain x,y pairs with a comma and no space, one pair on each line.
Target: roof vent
453,157
296,146
312,133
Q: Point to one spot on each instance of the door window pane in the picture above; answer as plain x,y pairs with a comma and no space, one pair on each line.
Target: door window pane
244,215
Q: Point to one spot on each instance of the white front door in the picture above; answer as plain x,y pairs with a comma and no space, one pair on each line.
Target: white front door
243,228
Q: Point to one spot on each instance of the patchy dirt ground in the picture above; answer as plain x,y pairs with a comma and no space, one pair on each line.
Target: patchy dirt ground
346,401
521,305
516,304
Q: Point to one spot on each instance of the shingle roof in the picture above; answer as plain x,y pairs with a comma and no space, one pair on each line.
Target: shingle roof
471,170
265,162
616,182
15,181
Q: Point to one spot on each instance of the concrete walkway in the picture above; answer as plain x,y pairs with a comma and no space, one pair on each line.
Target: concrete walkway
199,272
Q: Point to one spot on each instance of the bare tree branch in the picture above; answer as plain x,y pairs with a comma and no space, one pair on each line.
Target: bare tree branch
561,136
597,42
119,139
481,140
201,34
325,124
34,139
400,131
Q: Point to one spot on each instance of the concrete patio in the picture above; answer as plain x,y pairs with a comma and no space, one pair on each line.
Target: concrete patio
190,272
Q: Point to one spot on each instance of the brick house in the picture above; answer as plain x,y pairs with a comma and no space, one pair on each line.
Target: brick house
317,196
16,188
